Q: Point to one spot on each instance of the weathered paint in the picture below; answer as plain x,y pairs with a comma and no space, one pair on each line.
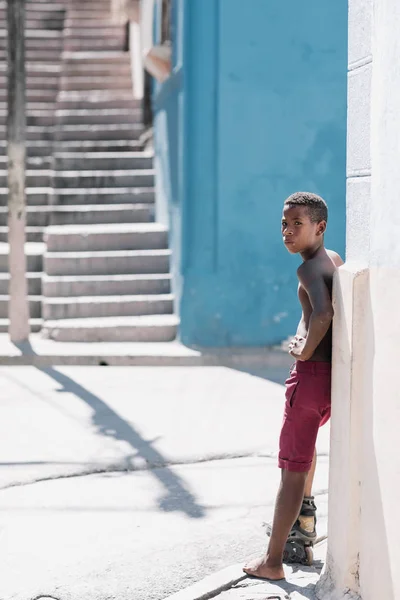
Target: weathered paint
255,111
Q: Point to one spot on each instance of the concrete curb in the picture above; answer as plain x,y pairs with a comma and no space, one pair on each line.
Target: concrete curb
223,580
211,586
133,361
40,353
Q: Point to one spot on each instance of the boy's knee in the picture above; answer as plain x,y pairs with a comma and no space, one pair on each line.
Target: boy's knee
294,476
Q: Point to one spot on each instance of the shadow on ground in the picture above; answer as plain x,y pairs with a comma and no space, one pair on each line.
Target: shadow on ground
177,496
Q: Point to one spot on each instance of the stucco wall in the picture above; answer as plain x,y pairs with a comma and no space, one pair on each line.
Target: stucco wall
381,489
363,549
266,116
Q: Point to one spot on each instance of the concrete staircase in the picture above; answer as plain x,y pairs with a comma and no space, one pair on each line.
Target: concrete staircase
106,263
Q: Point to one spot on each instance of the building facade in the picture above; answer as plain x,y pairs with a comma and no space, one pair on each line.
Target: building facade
254,109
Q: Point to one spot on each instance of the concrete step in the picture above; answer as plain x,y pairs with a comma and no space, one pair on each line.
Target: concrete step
84,14
34,284
104,196
36,216
117,262
152,328
106,285
78,196
44,55
34,133
97,145
38,22
103,6
103,306
34,178
89,179
81,44
32,162
38,69
106,237
34,196
104,116
103,160
34,255
90,21
85,82
34,34
74,68
35,325
33,234
39,4
77,14
43,95
45,10
96,57
34,43
33,106
123,131
35,306
101,214
76,30
36,82
103,12
39,217
35,148
99,99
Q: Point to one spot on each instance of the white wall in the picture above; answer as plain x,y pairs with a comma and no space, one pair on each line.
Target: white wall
364,528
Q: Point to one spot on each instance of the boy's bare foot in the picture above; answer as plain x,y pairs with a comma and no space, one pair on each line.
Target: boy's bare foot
259,567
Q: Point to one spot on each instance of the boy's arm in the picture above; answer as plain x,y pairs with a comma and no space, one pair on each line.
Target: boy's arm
322,311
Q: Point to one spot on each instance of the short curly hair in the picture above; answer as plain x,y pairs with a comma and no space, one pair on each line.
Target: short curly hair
316,206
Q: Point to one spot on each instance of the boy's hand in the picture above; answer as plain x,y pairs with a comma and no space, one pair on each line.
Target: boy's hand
296,348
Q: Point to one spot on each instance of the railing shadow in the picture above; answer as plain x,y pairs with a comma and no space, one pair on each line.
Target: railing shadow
108,423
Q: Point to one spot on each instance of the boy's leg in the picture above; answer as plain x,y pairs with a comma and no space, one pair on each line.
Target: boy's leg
287,508
307,387
310,477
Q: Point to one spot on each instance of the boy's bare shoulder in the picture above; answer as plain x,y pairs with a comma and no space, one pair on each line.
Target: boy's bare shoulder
309,269
318,266
335,257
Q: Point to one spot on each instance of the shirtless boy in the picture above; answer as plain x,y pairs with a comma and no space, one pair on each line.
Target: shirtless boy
308,388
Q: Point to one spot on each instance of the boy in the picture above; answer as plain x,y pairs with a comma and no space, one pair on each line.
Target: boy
308,399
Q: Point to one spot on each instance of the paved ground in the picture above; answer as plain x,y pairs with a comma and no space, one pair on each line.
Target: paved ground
119,482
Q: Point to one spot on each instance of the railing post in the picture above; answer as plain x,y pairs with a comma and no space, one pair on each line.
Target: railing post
18,309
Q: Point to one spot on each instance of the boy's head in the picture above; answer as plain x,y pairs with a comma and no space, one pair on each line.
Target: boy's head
304,221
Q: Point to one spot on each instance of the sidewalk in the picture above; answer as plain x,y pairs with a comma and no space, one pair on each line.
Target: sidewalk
134,483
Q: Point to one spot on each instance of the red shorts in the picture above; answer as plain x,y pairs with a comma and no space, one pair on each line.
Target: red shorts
307,407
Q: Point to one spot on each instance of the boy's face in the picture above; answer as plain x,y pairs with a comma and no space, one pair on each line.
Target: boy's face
298,231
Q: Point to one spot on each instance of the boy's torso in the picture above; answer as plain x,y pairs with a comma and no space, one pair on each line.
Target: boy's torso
326,264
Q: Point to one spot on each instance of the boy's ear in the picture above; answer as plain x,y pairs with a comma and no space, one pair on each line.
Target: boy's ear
321,228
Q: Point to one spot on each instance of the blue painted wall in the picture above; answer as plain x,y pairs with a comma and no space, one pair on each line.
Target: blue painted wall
260,112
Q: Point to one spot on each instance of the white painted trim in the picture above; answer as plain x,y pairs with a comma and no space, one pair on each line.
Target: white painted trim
146,26
136,60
